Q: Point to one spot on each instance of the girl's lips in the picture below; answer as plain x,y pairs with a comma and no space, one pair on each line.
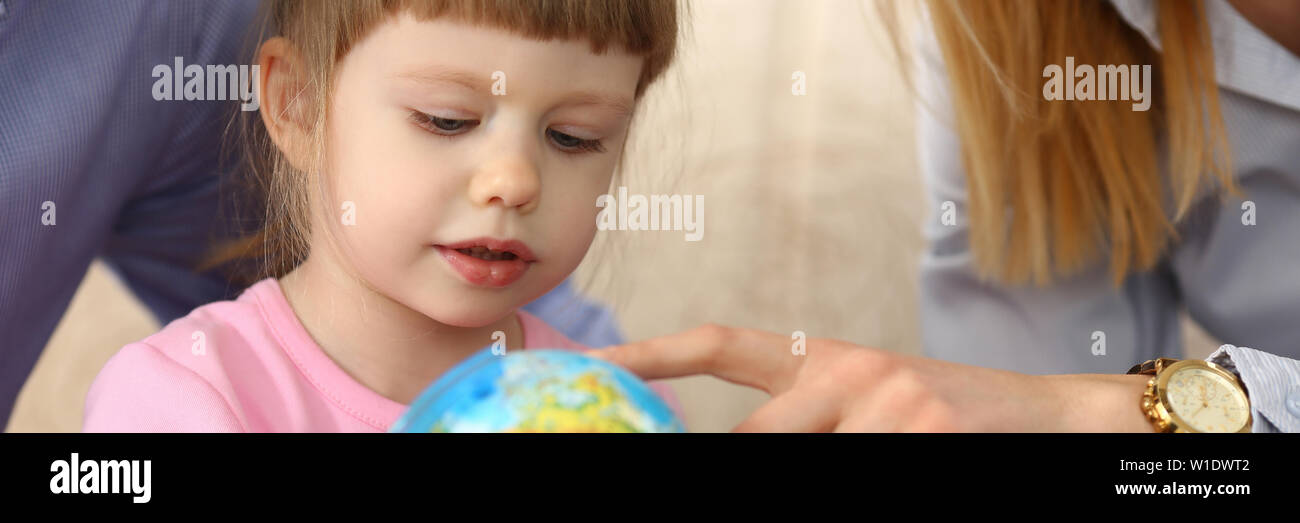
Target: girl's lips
513,246
485,273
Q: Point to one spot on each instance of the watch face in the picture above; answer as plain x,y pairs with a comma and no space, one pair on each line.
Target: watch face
1206,401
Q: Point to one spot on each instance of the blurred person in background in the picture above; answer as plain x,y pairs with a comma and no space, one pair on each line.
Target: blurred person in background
1066,235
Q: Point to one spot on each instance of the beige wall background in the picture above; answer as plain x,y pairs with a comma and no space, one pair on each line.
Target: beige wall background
811,217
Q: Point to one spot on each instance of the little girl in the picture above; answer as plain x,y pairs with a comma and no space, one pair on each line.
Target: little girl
429,168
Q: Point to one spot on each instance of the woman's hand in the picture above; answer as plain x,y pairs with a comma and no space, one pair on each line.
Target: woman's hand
841,387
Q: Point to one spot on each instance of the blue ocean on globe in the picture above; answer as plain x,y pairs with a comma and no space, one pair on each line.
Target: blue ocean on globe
538,390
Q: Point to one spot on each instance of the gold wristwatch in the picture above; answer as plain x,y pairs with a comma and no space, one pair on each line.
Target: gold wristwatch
1193,396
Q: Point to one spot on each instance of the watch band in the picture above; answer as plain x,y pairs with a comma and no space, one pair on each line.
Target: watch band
1161,423
1225,362
1152,367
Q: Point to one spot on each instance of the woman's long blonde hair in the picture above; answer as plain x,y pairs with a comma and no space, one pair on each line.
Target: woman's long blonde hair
1052,185
276,197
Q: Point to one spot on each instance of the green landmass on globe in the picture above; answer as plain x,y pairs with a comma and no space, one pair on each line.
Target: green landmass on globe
538,390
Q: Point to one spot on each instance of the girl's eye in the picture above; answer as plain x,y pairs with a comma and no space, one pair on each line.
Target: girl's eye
443,126
573,144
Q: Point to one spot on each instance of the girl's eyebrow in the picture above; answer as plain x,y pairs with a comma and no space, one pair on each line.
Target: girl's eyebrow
474,82
620,106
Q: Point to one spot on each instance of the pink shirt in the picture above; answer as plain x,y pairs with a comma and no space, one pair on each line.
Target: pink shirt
257,370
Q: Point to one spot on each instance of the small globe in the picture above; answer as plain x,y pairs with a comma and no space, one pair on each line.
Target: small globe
538,390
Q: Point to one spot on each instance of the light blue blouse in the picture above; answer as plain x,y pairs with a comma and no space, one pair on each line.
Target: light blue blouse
1240,282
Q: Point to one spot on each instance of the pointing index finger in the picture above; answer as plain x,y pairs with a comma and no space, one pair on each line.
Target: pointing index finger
752,358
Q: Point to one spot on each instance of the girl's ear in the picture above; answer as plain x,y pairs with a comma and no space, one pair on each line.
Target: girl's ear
285,102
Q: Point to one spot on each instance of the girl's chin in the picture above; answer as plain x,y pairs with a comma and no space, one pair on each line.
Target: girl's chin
469,313
456,304
469,322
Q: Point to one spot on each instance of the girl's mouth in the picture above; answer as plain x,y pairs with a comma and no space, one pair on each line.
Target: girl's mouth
488,262
484,253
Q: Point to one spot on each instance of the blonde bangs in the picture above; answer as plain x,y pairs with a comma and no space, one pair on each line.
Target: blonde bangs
646,28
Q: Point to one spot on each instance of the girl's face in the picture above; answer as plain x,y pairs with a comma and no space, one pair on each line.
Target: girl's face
463,163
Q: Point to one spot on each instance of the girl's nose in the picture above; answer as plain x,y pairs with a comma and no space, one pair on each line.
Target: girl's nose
512,182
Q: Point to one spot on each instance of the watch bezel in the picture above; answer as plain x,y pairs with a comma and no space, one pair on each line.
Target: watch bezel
1162,391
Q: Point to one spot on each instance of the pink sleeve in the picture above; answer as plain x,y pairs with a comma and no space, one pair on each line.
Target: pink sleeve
142,390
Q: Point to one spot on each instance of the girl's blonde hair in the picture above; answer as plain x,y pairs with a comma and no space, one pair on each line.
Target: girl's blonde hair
277,195
1052,185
